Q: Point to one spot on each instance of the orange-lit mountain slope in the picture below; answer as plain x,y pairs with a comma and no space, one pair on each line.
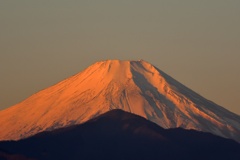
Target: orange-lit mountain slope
133,86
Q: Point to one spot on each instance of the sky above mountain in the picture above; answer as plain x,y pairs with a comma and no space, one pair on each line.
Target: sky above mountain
196,42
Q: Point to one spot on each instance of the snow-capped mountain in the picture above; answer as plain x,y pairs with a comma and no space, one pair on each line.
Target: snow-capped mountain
133,86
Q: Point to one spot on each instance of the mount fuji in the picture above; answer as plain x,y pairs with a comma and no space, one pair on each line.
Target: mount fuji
133,86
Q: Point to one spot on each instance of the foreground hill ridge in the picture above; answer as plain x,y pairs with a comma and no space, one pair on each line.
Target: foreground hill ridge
134,86
117,134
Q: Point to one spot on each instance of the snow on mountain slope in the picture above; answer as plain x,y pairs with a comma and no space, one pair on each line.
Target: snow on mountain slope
133,86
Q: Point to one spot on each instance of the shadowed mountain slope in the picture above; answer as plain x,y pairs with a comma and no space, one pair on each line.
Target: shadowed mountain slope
133,86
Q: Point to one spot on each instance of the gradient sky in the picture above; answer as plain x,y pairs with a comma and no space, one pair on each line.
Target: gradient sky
196,42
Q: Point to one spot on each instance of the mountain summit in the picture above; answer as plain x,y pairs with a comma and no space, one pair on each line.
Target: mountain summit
134,86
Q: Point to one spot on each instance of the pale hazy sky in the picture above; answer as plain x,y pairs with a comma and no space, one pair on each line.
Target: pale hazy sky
197,42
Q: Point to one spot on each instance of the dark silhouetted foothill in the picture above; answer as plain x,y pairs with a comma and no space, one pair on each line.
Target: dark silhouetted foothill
121,135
